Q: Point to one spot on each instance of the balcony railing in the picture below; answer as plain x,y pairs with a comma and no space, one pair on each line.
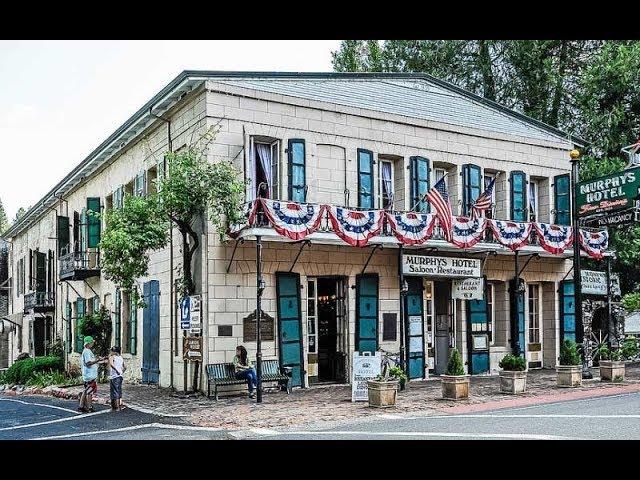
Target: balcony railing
79,265
39,301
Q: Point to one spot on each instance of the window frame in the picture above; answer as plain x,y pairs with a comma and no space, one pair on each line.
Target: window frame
533,190
291,165
381,195
312,319
361,173
468,189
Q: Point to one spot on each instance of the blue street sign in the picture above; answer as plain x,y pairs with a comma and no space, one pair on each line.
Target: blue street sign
185,313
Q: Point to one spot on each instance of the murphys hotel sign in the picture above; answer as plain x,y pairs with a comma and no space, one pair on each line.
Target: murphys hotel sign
608,194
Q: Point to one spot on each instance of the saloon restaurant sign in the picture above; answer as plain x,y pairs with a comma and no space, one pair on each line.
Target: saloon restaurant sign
608,194
441,266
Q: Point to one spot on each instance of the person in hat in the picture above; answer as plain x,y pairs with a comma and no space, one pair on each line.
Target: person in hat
117,368
89,375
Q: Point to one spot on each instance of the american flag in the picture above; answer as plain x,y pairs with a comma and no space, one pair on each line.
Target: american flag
483,202
439,198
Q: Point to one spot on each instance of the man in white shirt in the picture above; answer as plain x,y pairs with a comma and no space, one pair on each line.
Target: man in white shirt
89,375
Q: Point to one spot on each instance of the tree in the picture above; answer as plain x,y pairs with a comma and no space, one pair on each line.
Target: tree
20,213
4,221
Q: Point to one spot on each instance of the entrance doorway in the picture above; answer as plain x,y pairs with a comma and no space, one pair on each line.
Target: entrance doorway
42,335
444,325
327,329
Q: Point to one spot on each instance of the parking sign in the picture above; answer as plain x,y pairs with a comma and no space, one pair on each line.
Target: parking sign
185,313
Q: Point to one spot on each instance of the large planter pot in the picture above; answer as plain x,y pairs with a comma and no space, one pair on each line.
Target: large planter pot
382,394
455,387
512,381
569,375
612,371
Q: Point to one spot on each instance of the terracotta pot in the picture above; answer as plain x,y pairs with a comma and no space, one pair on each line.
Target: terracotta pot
382,394
612,371
455,387
569,375
513,381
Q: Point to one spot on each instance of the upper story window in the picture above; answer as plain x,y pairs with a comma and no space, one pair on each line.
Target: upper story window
297,170
488,178
365,178
93,222
20,279
534,200
387,182
562,204
263,169
139,184
471,186
62,234
518,196
419,181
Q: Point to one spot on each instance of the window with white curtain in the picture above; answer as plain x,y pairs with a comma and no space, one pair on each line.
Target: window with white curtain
263,168
386,185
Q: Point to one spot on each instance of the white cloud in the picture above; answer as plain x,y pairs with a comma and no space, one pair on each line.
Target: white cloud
60,99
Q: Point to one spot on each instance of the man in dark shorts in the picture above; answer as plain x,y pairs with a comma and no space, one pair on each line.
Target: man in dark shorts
117,368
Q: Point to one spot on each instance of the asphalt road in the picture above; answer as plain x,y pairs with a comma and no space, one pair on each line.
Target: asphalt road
616,417
36,417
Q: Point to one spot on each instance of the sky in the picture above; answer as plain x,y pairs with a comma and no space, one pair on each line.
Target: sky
60,99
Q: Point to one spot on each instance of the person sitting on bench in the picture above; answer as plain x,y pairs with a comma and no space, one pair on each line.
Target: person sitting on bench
244,369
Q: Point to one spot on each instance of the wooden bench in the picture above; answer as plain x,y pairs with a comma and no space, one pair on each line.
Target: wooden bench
221,374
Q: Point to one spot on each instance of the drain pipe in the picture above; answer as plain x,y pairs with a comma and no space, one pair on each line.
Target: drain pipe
171,282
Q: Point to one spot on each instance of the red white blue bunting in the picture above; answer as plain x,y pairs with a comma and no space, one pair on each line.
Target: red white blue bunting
466,232
554,238
249,211
594,243
355,227
291,219
512,235
411,228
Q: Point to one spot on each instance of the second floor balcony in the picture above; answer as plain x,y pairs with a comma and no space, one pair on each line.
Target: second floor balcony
80,265
39,302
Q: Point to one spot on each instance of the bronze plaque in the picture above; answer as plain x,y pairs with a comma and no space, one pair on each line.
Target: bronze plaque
535,347
250,329
192,349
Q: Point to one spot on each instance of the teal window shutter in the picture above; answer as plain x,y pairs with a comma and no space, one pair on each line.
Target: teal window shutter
419,182
365,178
297,170
69,327
518,196
117,326
562,202
96,304
80,313
139,184
134,330
471,186
93,222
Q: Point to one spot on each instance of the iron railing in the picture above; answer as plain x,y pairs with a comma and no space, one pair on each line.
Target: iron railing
75,261
39,300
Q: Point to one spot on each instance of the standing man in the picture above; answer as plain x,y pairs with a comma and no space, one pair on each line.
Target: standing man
89,375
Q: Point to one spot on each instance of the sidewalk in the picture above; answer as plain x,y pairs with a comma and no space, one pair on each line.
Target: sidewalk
333,403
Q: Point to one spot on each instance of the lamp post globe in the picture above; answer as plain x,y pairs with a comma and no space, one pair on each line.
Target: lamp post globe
574,154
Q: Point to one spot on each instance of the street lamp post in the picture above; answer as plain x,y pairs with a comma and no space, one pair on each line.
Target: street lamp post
402,284
577,278
260,288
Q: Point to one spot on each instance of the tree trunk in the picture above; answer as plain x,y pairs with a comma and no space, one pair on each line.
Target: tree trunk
485,66
559,90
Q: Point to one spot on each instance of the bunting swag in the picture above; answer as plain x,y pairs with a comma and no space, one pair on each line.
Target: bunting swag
465,232
249,211
554,238
411,228
512,235
594,243
355,227
293,220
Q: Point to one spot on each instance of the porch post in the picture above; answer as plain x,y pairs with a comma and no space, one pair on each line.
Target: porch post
609,319
259,290
515,334
401,300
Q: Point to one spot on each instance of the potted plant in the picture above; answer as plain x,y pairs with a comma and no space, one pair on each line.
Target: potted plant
455,383
384,388
513,376
611,365
569,368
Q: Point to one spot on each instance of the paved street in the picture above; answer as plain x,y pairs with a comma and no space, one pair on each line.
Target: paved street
39,417
605,418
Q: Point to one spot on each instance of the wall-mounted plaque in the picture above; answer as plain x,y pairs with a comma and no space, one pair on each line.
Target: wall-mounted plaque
250,328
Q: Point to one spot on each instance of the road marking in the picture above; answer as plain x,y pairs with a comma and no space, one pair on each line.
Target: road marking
133,406
39,405
515,436
541,415
85,415
134,427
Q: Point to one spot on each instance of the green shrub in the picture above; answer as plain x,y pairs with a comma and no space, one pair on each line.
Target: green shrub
56,349
44,379
604,352
513,363
629,348
23,370
455,367
569,354
397,374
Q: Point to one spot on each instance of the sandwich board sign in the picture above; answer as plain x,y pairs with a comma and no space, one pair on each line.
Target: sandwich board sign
365,367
